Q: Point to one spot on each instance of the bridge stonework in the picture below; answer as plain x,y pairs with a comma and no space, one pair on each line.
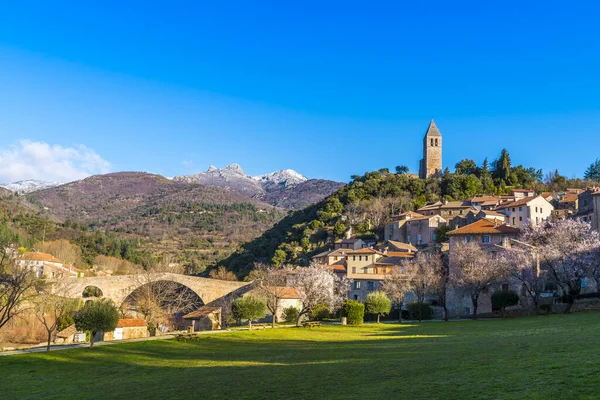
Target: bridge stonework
117,288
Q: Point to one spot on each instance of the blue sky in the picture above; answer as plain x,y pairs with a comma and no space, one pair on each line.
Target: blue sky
330,90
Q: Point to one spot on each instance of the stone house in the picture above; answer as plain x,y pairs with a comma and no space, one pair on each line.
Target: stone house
69,335
205,318
447,209
368,268
396,229
459,221
47,266
585,204
422,231
527,211
127,328
486,232
350,244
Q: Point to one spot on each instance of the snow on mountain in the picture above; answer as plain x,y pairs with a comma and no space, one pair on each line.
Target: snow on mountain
29,186
286,177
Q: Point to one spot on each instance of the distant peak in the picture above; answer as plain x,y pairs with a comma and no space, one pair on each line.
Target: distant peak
234,167
212,168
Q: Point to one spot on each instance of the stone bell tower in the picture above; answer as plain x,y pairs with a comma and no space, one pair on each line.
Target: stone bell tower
431,164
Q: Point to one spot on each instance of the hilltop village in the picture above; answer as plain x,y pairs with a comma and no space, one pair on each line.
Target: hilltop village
491,221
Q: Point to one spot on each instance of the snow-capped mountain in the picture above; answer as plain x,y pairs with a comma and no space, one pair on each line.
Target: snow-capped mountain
285,188
286,177
29,186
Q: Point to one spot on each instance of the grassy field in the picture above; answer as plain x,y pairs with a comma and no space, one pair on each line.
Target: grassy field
541,358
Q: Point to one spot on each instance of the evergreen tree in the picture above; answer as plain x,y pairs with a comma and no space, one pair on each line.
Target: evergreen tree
593,171
502,166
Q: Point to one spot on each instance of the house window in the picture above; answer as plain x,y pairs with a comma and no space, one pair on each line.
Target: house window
541,211
357,285
469,238
370,286
434,236
353,270
366,258
521,219
359,258
408,238
536,209
486,239
514,210
514,221
520,208
353,258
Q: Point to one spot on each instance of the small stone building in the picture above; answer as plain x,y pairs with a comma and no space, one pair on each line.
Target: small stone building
205,318
128,328
69,335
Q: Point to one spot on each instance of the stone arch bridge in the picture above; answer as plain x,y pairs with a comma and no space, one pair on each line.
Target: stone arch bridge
117,288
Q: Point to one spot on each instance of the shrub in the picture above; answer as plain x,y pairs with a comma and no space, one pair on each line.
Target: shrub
249,307
420,311
320,313
290,314
354,311
378,303
504,298
97,316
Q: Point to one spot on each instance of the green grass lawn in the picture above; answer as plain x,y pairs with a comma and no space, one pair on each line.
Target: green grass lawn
545,358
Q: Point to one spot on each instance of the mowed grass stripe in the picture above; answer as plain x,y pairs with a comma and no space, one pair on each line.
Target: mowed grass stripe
543,357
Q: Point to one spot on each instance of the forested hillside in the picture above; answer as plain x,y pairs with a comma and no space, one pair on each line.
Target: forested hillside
191,224
370,200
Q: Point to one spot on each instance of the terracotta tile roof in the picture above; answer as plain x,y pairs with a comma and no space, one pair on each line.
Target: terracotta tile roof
391,261
131,323
431,206
402,254
423,218
401,246
569,198
457,204
481,199
517,203
38,256
287,292
337,267
365,251
410,214
485,226
202,312
522,190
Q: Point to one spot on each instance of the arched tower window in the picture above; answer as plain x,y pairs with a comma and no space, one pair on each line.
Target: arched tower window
431,142
436,143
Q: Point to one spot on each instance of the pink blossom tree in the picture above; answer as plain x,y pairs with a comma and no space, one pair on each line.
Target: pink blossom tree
318,286
568,253
474,270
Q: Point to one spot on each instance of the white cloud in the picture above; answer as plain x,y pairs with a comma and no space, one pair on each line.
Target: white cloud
42,161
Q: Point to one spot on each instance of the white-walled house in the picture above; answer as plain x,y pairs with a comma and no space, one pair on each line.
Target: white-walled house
527,211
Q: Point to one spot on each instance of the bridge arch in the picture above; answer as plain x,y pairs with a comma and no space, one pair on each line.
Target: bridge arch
118,288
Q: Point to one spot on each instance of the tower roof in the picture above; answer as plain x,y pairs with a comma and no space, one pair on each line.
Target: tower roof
433,130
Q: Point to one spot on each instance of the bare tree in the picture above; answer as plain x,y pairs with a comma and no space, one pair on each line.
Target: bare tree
222,274
318,286
17,284
398,204
421,277
270,283
157,299
355,212
568,250
473,270
395,286
52,304
521,265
